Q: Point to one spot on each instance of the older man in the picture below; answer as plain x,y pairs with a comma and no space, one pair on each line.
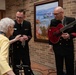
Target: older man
62,43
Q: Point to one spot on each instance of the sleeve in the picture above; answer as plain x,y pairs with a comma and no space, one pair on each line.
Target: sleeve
4,66
50,43
73,30
29,32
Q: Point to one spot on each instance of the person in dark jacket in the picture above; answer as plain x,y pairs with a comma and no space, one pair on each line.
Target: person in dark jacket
21,47
62,43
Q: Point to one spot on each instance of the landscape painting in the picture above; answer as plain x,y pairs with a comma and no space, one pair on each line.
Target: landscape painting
43,16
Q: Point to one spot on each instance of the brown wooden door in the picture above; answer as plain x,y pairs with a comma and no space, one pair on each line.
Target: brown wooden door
2,14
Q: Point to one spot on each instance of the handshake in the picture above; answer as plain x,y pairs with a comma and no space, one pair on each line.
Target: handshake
21,38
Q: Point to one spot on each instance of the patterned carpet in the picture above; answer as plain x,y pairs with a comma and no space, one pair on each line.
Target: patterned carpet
39,69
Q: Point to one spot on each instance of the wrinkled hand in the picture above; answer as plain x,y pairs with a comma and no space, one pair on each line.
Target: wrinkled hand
23,38
65,36
17,37
10,73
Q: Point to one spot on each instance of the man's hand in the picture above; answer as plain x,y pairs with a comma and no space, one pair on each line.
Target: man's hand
21,39
65,36
25,37
51,48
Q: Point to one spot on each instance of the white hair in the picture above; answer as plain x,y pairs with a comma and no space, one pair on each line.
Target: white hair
5,23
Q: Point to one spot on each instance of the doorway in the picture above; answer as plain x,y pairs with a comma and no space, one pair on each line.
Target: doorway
2,14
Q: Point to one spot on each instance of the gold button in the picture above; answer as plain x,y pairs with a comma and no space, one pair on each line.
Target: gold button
60,43
17,47
17,42
66,39
60,39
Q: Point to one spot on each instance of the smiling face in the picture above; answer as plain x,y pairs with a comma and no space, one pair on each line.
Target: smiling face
20,17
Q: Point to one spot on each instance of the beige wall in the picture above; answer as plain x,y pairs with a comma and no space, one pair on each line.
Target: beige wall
39,52
2,5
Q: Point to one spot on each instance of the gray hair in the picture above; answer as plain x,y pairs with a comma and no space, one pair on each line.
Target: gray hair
5,23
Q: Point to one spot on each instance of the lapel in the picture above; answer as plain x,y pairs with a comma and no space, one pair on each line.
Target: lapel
64,21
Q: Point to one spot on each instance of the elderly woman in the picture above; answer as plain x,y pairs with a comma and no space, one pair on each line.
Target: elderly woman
6,30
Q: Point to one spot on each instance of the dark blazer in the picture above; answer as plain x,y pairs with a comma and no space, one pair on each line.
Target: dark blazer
18,49
64,46
23,29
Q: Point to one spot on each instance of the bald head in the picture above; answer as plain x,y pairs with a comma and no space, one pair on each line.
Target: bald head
59,13
58,9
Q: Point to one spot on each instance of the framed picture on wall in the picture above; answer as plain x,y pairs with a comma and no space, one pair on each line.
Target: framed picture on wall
43,13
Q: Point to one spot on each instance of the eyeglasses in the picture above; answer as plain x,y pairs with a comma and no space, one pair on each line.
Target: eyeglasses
57,13
12,27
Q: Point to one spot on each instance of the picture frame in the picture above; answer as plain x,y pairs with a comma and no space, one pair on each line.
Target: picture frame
43,13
